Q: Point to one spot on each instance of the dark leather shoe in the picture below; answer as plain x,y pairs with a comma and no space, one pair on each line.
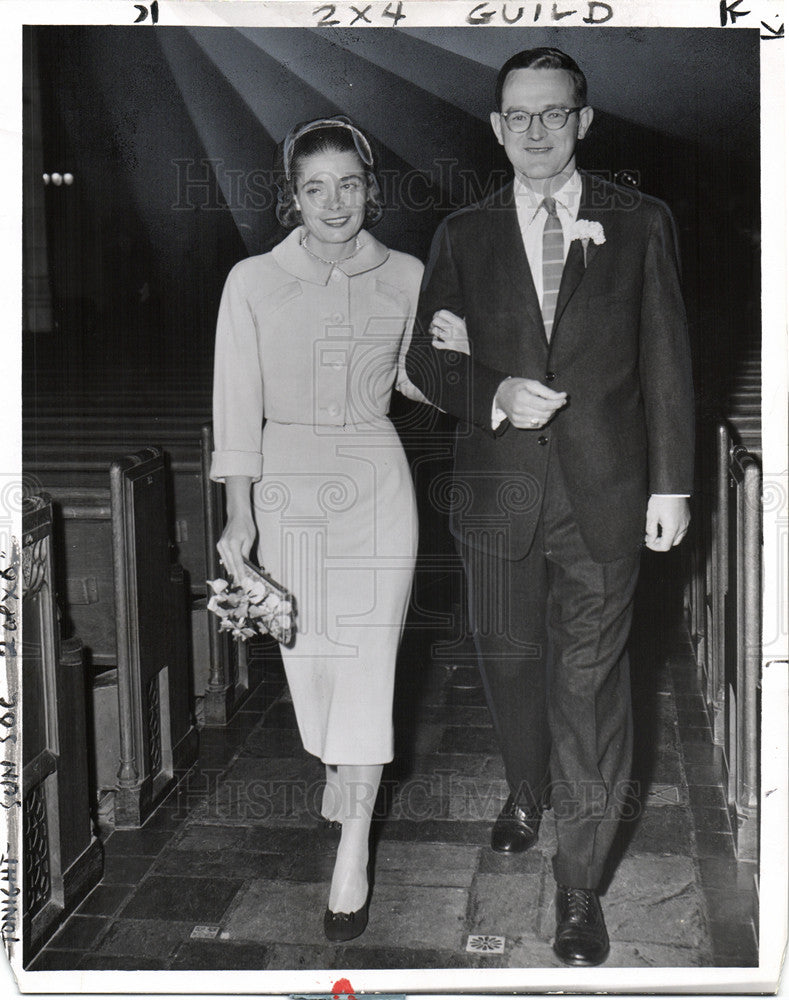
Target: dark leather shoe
515,829
344,926
581,937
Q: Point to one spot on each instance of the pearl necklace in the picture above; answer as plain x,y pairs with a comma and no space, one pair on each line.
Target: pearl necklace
356,248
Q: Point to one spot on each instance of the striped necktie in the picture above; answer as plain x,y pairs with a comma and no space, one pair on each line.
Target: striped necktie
552,263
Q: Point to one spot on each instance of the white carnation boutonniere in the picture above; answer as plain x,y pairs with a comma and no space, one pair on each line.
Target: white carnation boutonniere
586,230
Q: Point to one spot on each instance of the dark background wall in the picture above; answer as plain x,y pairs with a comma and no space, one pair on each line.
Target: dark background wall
170,134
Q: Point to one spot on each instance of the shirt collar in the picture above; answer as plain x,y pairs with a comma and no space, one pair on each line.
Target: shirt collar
568,196
293,258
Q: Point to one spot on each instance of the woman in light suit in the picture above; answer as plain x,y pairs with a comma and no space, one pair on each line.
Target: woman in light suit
311,339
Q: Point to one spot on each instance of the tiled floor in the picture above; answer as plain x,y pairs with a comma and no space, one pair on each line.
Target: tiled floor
232,871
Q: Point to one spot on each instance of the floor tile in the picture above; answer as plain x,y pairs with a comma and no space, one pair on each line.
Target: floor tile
271,743
636,954
418,916
430,831
232,863
354,956
733,944
105,900
220,955
141,842
660,831
425,864
97,961
729,906
441,795
150,938
694,718
530,862
468,739
199,900
127,869
505,905
267,910
706,796
708,819
702,774
298,957
655,899
727,874
296,841
208,837
49,960
703,753
79,932
714,845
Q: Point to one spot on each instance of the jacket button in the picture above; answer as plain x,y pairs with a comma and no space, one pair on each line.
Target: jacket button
542,440
550,376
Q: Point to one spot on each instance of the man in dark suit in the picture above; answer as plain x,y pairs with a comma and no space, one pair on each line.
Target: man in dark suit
571,382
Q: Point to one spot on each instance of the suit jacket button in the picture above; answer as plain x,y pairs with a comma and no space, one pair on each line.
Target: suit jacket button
550,376
542,440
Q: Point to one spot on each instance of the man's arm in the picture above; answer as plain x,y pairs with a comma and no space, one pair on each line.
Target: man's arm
667,388
452,381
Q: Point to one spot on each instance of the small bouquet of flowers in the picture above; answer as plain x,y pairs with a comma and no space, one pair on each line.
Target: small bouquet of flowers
258,605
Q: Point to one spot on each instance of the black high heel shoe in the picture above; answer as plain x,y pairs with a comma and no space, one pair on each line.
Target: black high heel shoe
345,926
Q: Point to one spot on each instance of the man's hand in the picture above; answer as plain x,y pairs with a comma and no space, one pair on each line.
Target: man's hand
668,519
527,403
449,332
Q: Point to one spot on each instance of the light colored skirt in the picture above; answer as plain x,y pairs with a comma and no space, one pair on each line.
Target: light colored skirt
337,525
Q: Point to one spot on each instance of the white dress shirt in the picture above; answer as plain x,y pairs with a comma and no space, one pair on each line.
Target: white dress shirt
532,216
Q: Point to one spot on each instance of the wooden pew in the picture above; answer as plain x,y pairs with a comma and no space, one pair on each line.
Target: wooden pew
63,857
127,600
230,673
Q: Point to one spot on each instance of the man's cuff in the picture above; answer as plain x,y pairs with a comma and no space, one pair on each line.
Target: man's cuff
497,415
677,496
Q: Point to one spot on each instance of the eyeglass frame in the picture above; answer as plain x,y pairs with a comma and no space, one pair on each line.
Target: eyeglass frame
339,121
538,114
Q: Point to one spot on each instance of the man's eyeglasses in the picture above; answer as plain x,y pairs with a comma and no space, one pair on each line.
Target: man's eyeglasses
552,118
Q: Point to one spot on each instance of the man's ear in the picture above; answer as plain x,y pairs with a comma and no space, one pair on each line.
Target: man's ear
496,125
585,116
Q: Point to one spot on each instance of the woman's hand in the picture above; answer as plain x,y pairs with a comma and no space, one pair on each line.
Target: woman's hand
449,332
239,534
236,544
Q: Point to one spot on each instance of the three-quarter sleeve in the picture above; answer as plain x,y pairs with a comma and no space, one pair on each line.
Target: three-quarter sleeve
238,386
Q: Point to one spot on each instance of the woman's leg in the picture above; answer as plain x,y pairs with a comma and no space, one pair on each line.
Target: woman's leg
331,806
359,786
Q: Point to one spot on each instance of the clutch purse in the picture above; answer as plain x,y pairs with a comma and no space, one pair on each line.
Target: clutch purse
258,605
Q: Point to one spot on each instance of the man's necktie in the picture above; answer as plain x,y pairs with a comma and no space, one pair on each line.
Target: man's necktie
552,263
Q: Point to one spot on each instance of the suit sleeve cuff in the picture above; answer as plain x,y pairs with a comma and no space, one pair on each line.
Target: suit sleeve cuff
236,463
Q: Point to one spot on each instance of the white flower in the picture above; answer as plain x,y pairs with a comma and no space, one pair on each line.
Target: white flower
217,585
585,229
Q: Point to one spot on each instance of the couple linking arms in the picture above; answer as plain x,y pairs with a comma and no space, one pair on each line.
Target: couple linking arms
549,321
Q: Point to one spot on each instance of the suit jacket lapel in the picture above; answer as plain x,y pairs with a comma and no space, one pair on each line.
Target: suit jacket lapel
512,260
574,267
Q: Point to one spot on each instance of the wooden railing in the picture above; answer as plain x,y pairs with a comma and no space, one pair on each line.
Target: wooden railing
726,615
231,674
63,858
127,601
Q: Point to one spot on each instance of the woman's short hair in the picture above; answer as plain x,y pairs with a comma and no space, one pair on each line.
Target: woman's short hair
324,135
543,58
